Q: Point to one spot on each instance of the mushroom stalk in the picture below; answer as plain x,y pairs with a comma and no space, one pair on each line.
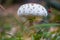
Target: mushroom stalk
31,19
30,22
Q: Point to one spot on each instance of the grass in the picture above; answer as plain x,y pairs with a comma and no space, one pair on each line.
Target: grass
40,31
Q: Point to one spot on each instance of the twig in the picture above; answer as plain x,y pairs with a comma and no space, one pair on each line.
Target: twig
2,7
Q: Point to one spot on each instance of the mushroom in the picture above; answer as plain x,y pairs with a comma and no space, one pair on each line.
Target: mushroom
31,11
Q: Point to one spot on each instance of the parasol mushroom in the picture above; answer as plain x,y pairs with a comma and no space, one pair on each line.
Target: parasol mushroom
31,11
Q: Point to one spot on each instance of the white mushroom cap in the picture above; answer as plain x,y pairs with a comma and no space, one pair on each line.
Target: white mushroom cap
32,9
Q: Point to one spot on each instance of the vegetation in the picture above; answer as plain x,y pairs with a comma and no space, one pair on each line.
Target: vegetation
44,31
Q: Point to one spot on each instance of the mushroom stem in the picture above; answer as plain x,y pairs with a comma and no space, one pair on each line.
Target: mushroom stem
30,23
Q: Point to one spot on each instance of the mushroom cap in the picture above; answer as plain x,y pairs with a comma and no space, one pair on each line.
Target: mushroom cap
32,9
